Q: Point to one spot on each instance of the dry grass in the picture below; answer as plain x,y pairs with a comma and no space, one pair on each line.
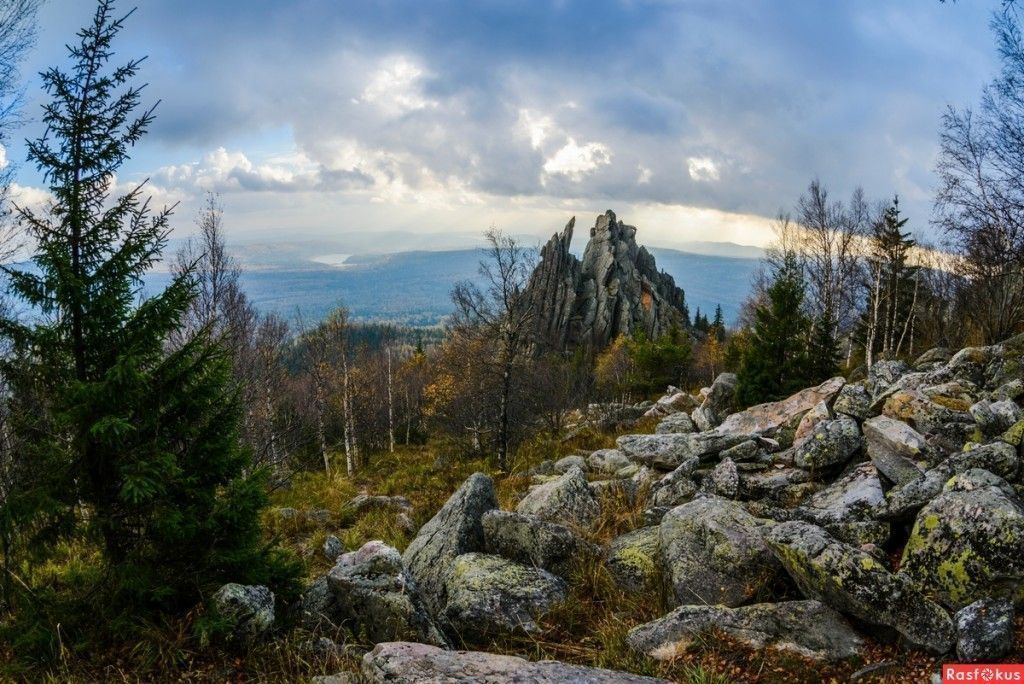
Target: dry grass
589,629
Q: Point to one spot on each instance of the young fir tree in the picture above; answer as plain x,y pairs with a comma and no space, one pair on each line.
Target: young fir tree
775,363
141,443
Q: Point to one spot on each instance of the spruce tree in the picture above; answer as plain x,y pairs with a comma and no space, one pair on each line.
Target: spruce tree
775,363
140,441
892,287
718,324
822,350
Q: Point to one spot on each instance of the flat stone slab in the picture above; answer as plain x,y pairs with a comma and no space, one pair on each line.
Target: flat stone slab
401,661
807,628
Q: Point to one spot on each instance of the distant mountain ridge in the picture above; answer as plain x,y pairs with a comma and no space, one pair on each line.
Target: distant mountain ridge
413,287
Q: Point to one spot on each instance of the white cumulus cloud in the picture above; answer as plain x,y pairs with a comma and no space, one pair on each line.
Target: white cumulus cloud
702,169
395,88
575,161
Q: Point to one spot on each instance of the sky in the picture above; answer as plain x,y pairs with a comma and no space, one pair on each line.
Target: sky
323,120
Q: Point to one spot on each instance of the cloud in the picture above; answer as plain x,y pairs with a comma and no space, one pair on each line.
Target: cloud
537,127
3,157
306,108
576,161
224,171
395,88
28,197
702,169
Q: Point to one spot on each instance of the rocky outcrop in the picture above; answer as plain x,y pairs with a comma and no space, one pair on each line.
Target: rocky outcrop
408,662
780,526
614,290
766,419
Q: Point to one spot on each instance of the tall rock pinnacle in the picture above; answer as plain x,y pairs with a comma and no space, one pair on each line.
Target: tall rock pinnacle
615,290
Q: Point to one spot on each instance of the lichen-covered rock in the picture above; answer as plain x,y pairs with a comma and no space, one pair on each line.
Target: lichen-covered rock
400,662
851,507
250,607
317,607
676,487
765,419
718,400
702,419
998,457
724,479
893,446
667,451
993,418
810,420
490,595
375,599
776,485
676,400
830,443
854,401
885,373
676,424
936,415
807,628
367,502
932,358
1012,390
634,559
713,552
745,452
967,545
530,540
563,465
984,630
608,460
1015,435
455,529
567,499
332,548
976,478
855,583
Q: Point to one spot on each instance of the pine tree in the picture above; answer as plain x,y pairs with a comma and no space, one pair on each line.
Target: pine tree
775,363
142,441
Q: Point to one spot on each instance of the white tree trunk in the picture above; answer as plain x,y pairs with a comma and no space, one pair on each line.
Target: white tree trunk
391,407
